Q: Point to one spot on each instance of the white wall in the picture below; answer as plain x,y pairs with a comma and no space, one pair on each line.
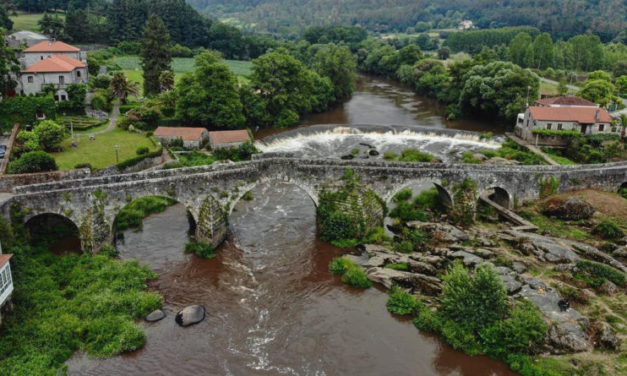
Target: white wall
30,58
41,79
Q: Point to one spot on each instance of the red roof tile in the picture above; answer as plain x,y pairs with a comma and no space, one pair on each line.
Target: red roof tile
583,115
565,101
55,64
4,259
186,133
49,46
228,137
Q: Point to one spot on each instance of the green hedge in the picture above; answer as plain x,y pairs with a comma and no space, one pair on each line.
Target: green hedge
24,110
136,160
551,132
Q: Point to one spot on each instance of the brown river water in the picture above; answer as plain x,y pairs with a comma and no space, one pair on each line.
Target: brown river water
273,308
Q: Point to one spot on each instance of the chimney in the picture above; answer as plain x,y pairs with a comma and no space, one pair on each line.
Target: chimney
598,116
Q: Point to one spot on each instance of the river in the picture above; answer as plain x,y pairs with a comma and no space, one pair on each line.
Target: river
273,308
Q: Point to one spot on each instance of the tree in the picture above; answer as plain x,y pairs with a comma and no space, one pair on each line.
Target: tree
598,91
209,95
543,51
562,89
599,75
76,98
122,88
518,47
50,135
621,85
166,80
444,53
473,301
52,26
9,67
338,64
34,161
155,54
5,21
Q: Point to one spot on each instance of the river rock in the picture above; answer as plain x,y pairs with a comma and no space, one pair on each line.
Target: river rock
155,316
547,299
569,337
190,315
519,267
511,284
605,336
441,231
347,157
373,153
421,267
573,208
372,248
389,277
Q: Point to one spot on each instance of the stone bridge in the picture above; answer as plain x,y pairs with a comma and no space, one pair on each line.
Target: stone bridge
211,192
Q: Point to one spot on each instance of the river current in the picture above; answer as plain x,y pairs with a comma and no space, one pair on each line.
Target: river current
272,306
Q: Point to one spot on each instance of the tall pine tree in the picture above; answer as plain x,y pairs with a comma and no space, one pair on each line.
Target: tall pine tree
155,54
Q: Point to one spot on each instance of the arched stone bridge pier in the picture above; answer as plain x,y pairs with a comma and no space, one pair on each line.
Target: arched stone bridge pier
211,192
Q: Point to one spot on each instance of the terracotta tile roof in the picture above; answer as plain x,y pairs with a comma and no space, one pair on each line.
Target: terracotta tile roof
565,101
55,64
49,46
186,133
4,259
228,137
583,115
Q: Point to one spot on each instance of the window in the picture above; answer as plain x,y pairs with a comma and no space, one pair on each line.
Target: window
30,79
78,73
559,126
5,279
61,80
601,127
549,125
41,58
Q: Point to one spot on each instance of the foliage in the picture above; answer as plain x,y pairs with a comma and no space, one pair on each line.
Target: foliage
594,273
549,186
244,152
351,273
555,132
122,88
473,41
403,195
608,230
50,135
142,150
403,303
69,303
403,266
193,159
465,197
338,64
598,91
473,301
34,161
24,110
209,96
417,209
201,249
411,155
132,215
155,53
121,166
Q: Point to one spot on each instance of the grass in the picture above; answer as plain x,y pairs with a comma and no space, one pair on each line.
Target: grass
351,273
180,65
557,157
548,88
69,303
100,153
28,21
132,215
82,123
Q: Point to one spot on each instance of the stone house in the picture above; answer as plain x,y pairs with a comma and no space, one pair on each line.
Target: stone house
59,71
228,139
25,38
555,119
193,137
569,101
6,281
47,49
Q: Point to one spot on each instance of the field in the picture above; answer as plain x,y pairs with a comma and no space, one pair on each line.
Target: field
180,65
100,153
28,21
548,88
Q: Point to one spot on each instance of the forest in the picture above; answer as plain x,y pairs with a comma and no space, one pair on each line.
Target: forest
560,18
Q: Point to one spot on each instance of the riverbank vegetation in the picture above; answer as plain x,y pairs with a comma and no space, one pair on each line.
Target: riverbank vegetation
201,249
132,215
509,150
351,273
69,303
411,155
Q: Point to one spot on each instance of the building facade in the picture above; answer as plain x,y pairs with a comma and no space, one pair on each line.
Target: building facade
193,137
6,282
48,49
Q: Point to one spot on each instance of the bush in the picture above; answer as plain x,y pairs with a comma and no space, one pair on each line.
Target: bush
623,192
83,165
34,161
132,215
594,273
50,134
142,150
351,272
403,303
242,153
201,249
109,251
608,230
403,195
338,226
520,333
404,246
475,301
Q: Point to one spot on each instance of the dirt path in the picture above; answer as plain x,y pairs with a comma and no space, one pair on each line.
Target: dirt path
113,121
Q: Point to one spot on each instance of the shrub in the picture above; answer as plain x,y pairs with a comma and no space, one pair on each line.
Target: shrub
408,212
83,165
475,301
201,249
520,333
377,236
50,134
338,226
623,192
248,196
34,161
403,195
598,273
352,273
404,246
428,320
142,150
242,153
402,303
109,251
608,230
132,215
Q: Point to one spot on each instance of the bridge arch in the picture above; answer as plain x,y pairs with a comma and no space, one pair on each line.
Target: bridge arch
54,228
501,196
311,192
623,187
136,217
421,185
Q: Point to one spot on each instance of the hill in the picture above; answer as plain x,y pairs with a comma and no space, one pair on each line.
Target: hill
562,18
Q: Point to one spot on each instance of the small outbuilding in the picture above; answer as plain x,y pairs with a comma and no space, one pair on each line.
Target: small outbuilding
6,281
192,137
228,139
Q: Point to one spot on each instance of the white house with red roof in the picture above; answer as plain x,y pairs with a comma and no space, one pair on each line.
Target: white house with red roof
55,64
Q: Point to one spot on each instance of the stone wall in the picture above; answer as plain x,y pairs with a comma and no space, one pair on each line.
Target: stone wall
8,182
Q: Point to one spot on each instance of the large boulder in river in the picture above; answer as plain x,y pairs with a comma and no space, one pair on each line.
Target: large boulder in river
572,209
190,315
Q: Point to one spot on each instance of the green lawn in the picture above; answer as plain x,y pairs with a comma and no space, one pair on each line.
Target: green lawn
28,21
180,65
100,153
548,88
